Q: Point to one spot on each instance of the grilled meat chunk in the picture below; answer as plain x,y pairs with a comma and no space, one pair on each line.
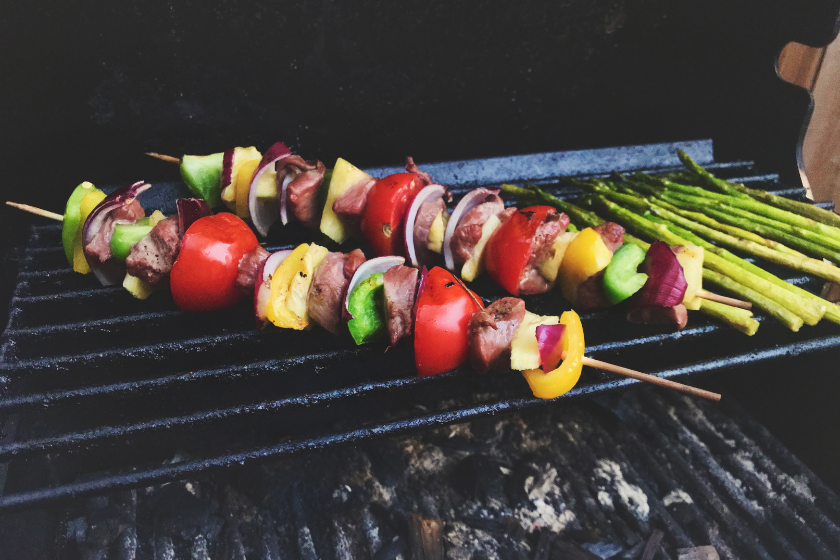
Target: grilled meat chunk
411,167
590,294
532,281
151,258
99,248
491,332
468,231
400,284
676,316
611,234
303,188
426,214
249,267
325,300
350,205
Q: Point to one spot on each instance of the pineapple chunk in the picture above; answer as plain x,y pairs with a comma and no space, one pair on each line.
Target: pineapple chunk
298,291
437,232
551,265
524,351
136,287
475,265
691,260
344,176
267,185
156,217
243,181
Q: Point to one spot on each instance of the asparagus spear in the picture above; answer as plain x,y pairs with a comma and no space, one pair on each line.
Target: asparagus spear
749,203
741,319
705,220
790,320
781,226
778,234
798,305
802,208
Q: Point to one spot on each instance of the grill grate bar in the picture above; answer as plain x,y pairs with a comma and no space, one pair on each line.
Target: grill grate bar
151,386
108,433
185,469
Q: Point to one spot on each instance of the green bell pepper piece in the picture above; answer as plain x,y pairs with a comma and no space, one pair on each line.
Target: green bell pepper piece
620,277
203,176
367,305
125,236
73,218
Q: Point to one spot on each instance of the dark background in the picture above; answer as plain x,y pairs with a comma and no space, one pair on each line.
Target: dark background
87,87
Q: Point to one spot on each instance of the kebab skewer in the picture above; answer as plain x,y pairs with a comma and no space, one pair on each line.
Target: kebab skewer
295,297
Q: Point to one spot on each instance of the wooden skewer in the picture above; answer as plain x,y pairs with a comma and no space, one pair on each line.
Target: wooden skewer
725,300
36,211
652,379
164,157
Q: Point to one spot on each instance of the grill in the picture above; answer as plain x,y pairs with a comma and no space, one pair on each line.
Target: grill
649,472
100,391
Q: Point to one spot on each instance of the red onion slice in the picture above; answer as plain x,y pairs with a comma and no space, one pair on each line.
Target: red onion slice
666,284
227,168
189,210
379,264
549,341
283,195
108,273
429,193
470,201
263,214
262,288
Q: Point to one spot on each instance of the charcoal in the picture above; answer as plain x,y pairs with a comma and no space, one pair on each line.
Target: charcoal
563,484
480,478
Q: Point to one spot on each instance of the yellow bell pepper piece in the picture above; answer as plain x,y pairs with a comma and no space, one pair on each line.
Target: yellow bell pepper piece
586,255
86,206
281,283
243,182
562,379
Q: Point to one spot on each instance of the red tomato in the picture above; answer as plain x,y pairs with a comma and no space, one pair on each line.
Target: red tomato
444,308
509,248
383,221
204,274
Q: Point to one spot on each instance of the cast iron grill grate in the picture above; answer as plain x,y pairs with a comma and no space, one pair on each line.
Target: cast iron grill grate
100,391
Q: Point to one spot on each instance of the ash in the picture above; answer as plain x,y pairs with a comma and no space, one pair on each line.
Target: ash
604,479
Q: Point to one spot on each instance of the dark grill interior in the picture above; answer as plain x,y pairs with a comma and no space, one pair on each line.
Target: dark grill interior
649,472
100,391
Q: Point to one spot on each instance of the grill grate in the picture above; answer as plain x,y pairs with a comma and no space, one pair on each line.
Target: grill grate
102,389
607,475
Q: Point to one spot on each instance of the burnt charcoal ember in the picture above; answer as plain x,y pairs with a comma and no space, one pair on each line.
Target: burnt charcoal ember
698,553
567,550
538,501
386,461
424,538
269,543
480,478
199,550
177,511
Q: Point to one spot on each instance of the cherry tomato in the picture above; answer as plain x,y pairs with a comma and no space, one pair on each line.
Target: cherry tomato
441,323
383,221
509,248
204,274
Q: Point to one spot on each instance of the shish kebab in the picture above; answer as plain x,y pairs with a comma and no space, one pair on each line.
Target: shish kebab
123,201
